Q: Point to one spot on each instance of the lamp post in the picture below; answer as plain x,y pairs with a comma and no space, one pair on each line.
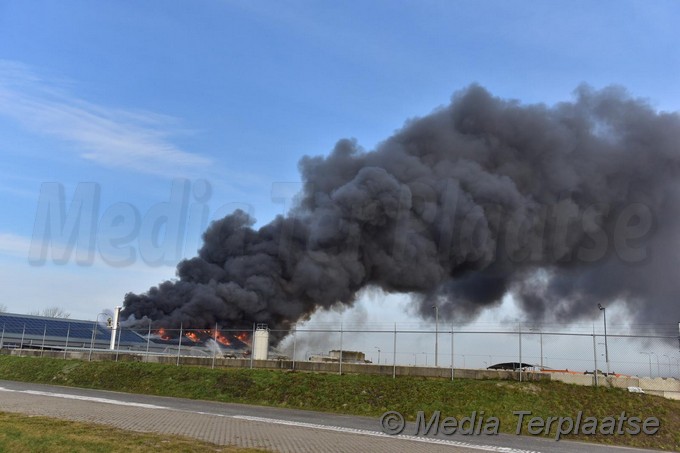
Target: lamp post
378,354
436,335
540,335
606,349
669,364
649,354
94,335
658,367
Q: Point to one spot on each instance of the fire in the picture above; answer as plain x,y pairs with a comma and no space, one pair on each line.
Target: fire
192,336
202,335
218,336
222,339
244,337
161,333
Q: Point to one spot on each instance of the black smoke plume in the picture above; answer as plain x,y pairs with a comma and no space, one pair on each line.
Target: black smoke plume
562,206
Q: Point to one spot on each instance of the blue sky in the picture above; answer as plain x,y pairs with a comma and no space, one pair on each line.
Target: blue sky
131,96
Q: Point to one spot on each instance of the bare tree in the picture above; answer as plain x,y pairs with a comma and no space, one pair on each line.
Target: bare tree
51,312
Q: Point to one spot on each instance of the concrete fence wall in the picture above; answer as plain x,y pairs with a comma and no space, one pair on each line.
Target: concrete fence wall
666,387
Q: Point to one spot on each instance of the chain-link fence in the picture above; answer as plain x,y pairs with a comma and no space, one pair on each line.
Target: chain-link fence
646,360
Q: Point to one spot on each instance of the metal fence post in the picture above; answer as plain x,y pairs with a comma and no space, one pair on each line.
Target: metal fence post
436,337
120,334
94,329
595,357
42,346
452,354
520,351
394,353
179,343
68,334
215,348
340,349
294,343
252,347
541,339
148,340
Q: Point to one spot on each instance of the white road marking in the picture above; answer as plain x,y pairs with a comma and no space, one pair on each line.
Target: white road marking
342,429
86,398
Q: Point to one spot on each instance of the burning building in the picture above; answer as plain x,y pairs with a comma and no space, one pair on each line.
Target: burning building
227,343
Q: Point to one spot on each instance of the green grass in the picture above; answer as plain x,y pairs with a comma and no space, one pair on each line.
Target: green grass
361,394
41,434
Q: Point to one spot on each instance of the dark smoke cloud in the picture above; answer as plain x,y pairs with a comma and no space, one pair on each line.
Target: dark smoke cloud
563,207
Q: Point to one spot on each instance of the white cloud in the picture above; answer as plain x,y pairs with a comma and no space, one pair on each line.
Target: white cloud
136,140
14,245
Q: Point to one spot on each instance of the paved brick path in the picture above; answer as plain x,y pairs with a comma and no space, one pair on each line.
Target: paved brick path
221,430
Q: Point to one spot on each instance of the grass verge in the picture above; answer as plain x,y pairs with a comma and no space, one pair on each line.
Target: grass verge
41,434
363,395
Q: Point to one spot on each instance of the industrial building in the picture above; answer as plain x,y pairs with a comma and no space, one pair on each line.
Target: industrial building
334,357
18,331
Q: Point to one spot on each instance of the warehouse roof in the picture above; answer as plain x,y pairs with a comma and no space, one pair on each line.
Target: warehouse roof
32,328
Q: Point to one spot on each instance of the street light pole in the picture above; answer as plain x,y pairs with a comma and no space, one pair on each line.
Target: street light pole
606,349
540,334
650,361
378,354
658,367
436,335
669,364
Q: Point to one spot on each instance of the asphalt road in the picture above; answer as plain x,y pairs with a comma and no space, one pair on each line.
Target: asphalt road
282,430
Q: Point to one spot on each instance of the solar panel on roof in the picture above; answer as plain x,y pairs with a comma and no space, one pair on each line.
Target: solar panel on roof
26,326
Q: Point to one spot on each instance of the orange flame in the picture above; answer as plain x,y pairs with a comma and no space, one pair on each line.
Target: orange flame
199,335
192,336
222,339
161,333
218,336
